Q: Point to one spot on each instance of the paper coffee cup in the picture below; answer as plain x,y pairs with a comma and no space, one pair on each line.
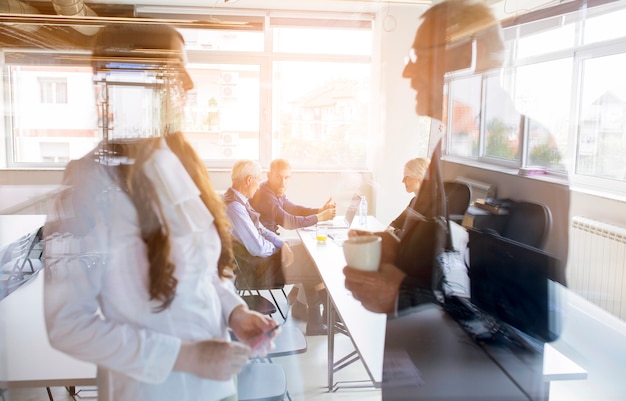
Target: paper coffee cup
363,252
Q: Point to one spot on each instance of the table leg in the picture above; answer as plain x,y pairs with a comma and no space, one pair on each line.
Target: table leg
330,317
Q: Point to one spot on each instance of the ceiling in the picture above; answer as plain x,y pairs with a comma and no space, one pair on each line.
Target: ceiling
35,24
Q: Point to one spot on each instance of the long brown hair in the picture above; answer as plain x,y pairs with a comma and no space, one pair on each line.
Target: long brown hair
154,229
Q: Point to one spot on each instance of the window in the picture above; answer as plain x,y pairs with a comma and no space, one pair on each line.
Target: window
291,87
52,119
53,90
602,122
565,76
222,115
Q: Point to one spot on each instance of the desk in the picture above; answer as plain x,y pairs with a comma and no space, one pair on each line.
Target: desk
450,366
15,226
26,357
365,329
20,199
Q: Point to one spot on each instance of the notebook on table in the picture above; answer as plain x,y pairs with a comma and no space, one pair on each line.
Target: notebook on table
346,220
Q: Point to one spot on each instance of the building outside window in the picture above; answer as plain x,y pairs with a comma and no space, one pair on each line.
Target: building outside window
304,95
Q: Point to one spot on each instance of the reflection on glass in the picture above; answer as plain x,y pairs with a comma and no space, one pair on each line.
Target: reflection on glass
321,114
465,96
602,125
222,111
502,123
549,110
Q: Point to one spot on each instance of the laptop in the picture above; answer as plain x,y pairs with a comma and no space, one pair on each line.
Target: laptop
346,220
513,283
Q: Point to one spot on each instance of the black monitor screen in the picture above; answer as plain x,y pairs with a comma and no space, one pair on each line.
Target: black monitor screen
513,283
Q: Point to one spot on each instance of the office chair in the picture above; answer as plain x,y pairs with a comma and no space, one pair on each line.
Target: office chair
251,292
261,382
254,300
458,198
528,223
18,264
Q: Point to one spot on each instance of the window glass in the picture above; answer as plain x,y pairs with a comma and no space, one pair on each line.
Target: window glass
546,41
321,113
222,111
502,123
602,124
53,113
322,41
605,27
549,110
219,40
53,90
465,96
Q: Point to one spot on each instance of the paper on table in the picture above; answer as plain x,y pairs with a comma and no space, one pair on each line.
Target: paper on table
399,370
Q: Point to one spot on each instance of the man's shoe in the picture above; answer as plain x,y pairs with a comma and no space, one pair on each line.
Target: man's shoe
300,311
316,329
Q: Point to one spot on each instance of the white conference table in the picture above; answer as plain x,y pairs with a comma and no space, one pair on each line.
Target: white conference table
366,329
15,226
26,357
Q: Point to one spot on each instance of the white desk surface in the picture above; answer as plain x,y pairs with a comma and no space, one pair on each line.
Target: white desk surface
15,197
26,357
15,226
366,329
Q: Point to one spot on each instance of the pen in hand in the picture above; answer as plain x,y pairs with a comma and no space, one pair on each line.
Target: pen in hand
268,335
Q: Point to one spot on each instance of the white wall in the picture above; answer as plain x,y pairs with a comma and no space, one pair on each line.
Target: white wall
400,136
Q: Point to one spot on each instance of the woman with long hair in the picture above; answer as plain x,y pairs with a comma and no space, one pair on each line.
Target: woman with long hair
139,262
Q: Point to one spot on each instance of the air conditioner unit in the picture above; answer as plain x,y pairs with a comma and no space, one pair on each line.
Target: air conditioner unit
480,190
228,152
229,78
229,91
229,138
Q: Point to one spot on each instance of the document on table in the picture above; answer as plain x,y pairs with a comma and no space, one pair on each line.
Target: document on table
399,370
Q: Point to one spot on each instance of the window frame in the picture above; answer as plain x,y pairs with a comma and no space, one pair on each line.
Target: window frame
264,59
579,53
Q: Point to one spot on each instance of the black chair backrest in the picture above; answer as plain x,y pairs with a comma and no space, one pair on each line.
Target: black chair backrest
528,223
458,197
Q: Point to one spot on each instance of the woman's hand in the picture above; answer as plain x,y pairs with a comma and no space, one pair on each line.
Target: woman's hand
254,329
212,359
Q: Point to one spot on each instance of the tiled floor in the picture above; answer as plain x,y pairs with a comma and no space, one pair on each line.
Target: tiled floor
306,376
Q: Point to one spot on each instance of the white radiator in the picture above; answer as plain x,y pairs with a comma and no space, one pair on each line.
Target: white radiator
597,264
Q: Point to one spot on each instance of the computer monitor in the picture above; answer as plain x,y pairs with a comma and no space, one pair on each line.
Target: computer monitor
513,283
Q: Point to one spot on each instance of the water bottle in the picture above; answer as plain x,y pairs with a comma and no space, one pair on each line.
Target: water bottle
363,211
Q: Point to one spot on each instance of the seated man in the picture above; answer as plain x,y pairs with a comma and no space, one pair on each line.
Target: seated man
276,210
262,255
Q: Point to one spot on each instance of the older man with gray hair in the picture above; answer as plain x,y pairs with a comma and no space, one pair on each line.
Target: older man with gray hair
263,256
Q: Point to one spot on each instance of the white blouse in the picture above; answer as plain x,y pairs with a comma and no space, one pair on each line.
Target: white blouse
97,305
